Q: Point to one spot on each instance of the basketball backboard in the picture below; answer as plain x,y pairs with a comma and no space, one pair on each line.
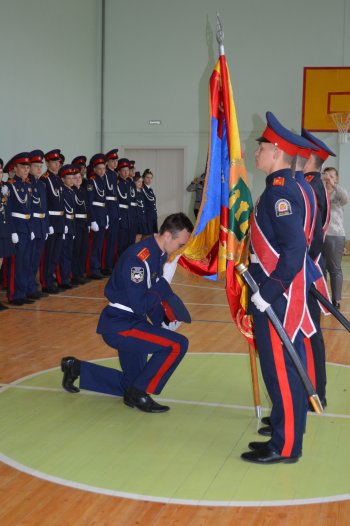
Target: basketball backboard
326,90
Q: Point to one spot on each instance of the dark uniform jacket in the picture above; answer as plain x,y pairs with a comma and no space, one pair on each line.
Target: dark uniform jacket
20,202
40,218
96,200
55,207
69,209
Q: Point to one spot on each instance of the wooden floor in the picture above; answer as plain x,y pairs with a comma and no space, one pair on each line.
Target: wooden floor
34,338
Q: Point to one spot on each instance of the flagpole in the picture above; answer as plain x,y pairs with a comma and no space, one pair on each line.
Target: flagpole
252,352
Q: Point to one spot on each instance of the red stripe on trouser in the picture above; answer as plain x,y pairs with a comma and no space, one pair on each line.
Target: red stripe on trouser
163,342
87,265
58,274
310,363
286,394
11,284
42,268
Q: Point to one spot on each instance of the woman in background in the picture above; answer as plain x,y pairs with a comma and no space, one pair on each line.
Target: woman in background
334,244
151,206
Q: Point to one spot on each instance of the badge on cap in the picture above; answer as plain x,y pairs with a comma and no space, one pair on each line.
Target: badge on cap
283,208
137,274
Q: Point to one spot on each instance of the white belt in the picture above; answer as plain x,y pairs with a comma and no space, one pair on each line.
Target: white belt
40,216
70,216
111,198
123,206
55,213
21,216
120,306
253,258
97,203
81,216
133,204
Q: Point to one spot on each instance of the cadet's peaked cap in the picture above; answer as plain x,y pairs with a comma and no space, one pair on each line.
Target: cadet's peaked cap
36,156
53,155
66,169
175,309
8,166
122,163
112,154
323,151
21,158
278,135
79,159
77,168
62,158
96,159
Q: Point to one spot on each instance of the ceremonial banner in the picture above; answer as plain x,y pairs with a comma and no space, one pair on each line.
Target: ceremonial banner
219,239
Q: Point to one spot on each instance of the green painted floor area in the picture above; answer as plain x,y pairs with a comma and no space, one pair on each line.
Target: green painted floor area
191,453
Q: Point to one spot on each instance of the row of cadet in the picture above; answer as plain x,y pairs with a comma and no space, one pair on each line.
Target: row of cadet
71,223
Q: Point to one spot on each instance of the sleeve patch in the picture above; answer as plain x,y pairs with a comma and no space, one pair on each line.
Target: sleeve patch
283,208
143,254
278,181
137,274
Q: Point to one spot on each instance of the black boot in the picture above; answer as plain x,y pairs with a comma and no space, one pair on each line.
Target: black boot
70,367
135,398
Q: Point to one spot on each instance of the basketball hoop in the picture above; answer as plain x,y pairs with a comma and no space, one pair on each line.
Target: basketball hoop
342,122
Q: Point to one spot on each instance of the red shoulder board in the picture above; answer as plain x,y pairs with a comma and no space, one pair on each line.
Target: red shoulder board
27,180
279,181
309,178
45,175
143,254
11,181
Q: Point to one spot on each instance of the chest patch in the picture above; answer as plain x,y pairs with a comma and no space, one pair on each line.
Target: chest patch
137,274
283,208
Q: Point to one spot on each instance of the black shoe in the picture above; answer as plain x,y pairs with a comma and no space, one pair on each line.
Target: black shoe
97,275
255,446
106,272
65,286
336,304
135,398
266,420
265,431
34,296
70,367
51,290
3,307
267,456
28,301
16,302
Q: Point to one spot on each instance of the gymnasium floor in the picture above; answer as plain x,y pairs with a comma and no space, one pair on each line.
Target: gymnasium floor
188,459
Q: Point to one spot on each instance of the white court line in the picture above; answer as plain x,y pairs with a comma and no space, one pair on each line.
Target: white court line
167,500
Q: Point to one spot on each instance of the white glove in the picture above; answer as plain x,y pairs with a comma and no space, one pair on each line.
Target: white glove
64,236
65,229
107,222
14,238
51,230
259,302
173,325
170,268
47,235
95,227
32,236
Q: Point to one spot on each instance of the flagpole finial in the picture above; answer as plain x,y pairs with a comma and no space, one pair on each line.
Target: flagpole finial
220,35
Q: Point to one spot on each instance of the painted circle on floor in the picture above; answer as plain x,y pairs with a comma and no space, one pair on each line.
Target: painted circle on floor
190,455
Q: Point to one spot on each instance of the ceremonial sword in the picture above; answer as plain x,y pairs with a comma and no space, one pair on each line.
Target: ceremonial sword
313,396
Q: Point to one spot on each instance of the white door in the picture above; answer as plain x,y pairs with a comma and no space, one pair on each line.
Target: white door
167,166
